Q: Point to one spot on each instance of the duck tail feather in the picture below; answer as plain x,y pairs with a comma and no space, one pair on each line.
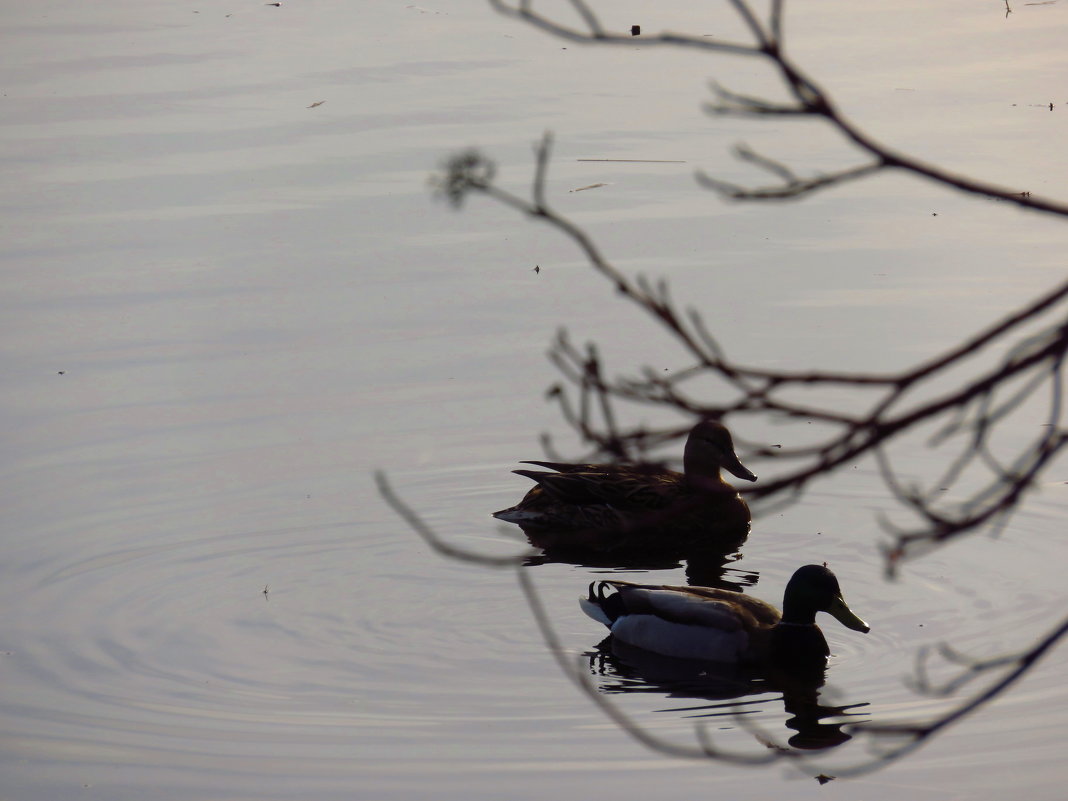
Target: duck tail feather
597,604
536,475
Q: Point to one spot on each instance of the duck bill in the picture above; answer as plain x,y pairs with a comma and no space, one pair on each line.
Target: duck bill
844,615
733,466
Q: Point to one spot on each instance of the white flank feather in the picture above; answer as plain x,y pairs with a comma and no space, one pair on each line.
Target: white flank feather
680,639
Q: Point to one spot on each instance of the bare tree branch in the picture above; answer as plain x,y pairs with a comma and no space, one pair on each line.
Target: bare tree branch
974,407
887,742
916,734
990,377
808,99
430,537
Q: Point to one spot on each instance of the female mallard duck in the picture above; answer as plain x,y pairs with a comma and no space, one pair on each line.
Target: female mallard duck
593,499
724,626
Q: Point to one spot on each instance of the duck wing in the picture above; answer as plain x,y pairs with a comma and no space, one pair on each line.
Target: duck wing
640,469
684,608
567,467
707,606
675,621
622,491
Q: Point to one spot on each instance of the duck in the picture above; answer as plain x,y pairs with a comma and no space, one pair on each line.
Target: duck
723,626
606,506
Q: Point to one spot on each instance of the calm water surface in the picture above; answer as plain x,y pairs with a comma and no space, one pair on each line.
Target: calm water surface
225,307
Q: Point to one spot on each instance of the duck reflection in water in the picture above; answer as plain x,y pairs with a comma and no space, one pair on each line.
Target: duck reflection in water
736,689
693,642
704,568
638,508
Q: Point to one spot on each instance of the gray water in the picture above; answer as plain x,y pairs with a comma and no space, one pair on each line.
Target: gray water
224,308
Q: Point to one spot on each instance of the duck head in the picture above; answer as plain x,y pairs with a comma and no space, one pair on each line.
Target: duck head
797,644
709,447
812,589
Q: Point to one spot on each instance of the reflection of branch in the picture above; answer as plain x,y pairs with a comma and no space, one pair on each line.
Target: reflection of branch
806,99
974,407
915,733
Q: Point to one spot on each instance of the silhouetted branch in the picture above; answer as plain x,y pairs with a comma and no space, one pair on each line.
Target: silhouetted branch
989,377
887,742
915,734
575,669
571,667
974,406
807,99
430,537
792,186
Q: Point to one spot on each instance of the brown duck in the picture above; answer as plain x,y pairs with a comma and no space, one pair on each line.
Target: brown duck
608,506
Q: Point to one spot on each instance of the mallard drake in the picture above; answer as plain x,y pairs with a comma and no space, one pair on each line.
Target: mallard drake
721,625
599,498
